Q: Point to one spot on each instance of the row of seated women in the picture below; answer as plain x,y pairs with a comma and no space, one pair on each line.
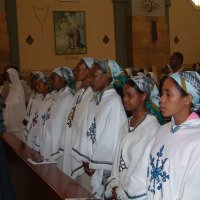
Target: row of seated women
89,135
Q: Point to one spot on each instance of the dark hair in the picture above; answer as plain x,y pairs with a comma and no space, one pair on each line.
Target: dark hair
133,84
179,56
141,70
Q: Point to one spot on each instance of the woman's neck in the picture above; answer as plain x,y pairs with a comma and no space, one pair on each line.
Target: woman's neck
138,115
85,84
182,116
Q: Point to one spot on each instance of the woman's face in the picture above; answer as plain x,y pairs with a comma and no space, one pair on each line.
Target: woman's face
132,99
172,103
41,87
57,82
82,71
98,80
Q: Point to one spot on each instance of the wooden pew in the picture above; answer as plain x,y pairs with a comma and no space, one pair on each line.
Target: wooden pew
35,182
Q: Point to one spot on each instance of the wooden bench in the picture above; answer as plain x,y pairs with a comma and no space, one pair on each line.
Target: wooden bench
37,181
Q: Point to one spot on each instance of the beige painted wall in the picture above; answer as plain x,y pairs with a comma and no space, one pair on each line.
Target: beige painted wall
137,8
185,23
41,54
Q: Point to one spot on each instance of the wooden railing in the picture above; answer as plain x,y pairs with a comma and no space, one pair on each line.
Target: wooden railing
35,182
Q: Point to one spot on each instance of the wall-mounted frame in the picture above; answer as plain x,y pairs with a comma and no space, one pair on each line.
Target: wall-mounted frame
70,32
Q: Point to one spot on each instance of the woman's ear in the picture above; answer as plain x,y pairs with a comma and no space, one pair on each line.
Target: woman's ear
188,99
144,97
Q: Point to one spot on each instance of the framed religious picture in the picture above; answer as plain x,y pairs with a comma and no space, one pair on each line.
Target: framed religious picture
70,32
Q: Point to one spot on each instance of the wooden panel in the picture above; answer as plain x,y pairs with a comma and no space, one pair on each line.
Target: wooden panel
37,181
3,23
146,52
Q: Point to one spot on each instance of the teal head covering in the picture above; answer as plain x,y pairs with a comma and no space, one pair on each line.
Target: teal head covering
115,71
66,73
89,62
190,82
148,86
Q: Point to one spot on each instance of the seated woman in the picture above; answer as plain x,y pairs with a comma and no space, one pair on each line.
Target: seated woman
62,83
96,142
170,170
137,134
79,109
15,108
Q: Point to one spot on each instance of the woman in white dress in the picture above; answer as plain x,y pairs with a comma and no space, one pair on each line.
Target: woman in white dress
50,141
97,139
15,108
39,103
77,113
138,132
170,170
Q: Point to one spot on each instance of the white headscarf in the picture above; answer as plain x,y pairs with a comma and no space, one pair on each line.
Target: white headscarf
89,62
15,109
14,76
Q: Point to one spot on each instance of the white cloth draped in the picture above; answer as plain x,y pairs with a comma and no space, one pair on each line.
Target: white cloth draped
75,118
31,117
173,165
38,124
50,142
130,150
98,139
15,109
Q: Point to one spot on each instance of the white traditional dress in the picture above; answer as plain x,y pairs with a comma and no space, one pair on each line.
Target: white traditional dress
75,119
50,140
15,109
31,113
173,170
98,139
130,150
39,121
170,165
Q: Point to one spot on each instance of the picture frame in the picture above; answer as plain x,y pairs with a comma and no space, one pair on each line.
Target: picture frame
70,32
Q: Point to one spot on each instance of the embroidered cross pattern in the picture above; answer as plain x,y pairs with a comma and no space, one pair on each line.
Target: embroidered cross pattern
91,133
71,117
156,171
122,164
46,116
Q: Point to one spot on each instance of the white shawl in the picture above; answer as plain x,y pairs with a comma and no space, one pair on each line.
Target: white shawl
31,117
38,122
97,143
50,144
74,120
129,153
169,168
15,109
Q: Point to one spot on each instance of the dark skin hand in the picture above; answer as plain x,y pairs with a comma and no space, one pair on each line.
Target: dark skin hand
88,171
114,194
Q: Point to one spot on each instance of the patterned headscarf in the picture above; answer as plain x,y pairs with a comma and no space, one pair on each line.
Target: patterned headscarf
88,61
66,73
114,70
146,85
190,82
44,77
